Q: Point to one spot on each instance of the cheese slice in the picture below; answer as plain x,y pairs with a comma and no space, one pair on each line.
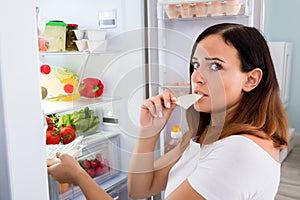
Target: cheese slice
186,101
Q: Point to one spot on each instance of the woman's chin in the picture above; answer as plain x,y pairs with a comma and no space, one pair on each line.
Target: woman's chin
199,108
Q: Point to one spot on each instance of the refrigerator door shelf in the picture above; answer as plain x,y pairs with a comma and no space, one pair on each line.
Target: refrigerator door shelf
202,9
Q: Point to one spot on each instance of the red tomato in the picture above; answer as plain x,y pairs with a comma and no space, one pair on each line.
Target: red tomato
68,88
52,137
50,123
45,69
68,134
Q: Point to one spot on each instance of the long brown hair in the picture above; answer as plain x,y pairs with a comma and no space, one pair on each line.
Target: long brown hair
260,111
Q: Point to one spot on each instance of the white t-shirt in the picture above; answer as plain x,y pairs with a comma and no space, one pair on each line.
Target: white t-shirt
232,168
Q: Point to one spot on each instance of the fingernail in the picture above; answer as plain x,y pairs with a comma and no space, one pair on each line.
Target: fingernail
168,105
160,114
174,98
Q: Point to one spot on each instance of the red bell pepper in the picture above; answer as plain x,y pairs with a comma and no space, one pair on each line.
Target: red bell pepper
91,87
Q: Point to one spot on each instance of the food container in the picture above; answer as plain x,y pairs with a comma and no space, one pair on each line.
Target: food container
79,33
95,34
82,45
97,45
55,35
186,10
201,9
173,11
193,9
100,158
232,7
216,8
71,37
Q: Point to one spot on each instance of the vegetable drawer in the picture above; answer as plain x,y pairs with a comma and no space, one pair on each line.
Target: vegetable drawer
101,160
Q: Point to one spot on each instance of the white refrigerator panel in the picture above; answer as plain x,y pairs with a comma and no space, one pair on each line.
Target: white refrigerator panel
21,119
281,53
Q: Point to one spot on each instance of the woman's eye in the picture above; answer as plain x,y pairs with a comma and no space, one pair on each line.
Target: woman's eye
196,65
215,66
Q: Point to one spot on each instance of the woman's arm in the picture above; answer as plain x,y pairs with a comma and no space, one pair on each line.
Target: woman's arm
146,178
69,171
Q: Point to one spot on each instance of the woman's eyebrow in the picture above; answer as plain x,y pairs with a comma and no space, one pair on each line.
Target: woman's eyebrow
207,58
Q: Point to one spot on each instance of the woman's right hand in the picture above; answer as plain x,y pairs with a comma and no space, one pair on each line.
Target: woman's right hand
67,170
156,111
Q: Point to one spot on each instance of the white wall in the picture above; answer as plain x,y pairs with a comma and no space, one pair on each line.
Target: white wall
281,24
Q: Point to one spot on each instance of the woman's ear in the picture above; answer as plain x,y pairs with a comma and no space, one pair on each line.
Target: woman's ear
252,79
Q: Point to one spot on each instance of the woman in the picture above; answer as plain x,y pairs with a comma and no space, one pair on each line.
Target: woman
231,150
238,126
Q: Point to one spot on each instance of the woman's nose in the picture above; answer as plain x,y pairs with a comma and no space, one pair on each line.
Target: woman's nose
197,77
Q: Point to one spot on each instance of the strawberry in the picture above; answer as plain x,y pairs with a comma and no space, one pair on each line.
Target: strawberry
86,164
99,157
95,163
91,172
99,171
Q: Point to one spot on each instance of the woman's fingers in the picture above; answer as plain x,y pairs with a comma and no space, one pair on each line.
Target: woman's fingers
168,98
155,105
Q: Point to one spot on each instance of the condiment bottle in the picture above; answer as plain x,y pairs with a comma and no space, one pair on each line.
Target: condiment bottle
55,34
71,37
176,136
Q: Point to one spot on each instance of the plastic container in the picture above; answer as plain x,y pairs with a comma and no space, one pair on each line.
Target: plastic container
71,37
101,160
201,9
55,34
186,10
173,11
216,8
176,136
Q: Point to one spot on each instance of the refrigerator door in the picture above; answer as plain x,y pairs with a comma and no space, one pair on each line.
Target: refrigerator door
281,54
21,121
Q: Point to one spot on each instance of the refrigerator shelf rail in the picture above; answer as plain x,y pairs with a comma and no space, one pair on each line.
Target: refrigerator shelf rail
50,107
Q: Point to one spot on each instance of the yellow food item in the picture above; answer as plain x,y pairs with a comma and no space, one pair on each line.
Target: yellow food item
74,94
63,187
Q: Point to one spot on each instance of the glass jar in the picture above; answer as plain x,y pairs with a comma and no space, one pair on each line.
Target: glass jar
71,37
55,35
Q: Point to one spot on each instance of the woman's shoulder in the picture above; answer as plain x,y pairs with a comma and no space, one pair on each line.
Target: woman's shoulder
246,142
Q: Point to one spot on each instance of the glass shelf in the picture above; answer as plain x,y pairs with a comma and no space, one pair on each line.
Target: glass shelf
53,107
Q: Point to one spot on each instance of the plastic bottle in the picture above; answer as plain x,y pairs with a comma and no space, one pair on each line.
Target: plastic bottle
176,136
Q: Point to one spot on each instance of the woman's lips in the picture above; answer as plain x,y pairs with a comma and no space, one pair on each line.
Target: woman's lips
199,92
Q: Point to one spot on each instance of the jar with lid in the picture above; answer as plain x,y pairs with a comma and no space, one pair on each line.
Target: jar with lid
55,34
71,37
